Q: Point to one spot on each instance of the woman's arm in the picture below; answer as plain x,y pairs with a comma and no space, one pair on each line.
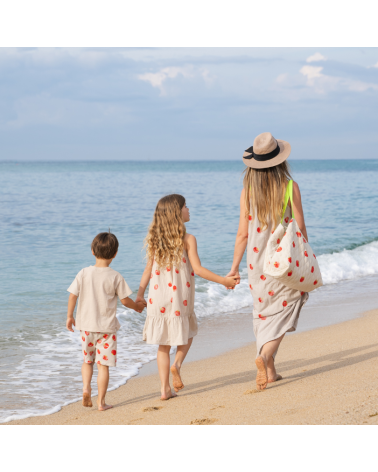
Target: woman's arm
144,281
191,246
241,237
298,210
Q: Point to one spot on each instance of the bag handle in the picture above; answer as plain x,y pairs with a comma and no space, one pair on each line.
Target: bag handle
288,195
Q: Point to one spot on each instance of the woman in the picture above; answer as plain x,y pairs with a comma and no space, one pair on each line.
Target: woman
276,308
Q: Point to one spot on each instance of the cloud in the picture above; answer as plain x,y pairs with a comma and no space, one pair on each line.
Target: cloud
157,79
375,66
316,57
311,72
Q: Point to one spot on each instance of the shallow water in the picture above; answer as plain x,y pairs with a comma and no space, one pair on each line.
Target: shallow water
50,213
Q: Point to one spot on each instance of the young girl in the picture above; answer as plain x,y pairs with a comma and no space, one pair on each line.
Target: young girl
172,262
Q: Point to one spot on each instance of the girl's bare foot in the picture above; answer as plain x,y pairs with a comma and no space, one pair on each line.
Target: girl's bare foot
104,407
167,395
87,400
176,378
276,378
262,376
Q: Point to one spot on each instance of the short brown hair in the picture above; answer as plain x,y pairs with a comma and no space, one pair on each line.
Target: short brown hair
105,246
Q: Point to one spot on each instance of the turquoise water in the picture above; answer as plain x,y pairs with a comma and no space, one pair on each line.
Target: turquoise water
50,213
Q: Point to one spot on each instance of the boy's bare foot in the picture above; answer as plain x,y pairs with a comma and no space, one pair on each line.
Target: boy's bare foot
176,379
167,395
87,400
262,376
276,378
104,407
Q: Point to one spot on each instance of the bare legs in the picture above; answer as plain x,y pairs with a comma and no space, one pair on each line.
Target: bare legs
266,371
102,384
163,361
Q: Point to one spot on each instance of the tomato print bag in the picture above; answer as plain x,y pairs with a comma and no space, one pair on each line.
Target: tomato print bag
289,257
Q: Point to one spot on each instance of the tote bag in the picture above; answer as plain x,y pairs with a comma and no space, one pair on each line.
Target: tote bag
289,257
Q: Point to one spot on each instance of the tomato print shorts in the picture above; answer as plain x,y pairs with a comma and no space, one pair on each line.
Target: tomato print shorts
99,347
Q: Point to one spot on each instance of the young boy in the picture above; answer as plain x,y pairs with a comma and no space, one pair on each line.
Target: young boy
97,288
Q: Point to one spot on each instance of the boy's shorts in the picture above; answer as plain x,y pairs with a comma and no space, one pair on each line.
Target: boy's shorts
99,347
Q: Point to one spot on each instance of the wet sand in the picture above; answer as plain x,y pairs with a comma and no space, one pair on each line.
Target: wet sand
329,378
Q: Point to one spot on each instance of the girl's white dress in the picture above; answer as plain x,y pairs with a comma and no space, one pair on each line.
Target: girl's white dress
171,320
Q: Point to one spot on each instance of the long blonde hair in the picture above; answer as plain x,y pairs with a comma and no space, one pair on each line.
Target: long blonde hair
165,238
265,191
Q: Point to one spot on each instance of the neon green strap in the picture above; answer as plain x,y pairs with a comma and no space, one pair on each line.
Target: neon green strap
288,195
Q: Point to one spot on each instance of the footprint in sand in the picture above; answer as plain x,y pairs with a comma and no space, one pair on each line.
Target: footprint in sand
216,407
248,392
204,421
137,419
152,408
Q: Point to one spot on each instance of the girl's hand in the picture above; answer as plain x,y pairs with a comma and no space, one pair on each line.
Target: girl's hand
234,273
141,304
70,322
141,299
230,282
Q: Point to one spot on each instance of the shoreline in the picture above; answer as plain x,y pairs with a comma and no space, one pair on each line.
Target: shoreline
321,385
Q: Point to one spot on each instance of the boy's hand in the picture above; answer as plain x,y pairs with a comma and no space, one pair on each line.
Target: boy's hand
70,322
230,282
140,305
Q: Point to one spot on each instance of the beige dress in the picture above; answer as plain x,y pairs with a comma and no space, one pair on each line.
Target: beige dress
276,307
171,320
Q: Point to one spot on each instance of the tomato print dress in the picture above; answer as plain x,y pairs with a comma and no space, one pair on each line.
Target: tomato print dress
276,307
171,320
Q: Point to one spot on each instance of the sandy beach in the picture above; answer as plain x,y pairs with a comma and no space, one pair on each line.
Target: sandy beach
329,378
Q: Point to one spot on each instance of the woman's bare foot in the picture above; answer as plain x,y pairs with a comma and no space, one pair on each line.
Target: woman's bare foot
104,407
167,395
262,376
176,378
87,400
276,378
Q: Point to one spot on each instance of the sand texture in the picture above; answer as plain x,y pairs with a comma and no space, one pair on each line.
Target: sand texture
330,377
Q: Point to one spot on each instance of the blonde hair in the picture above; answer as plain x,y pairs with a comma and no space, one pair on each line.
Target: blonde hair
165,238
265,191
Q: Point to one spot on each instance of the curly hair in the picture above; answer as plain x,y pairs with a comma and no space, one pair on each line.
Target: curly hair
164,242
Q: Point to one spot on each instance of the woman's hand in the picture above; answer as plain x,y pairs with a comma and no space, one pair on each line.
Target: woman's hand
141,299
233,273
230,282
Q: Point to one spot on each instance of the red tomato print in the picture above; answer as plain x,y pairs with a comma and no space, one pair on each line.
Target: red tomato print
250,266
106,345
279,249
162,310
114,352
83,338
250,286
98,351
312,269
278,241
256,250
170,284
301,279
156,286
174,288
289,259
91,353
297,263
151,300
192,274
262,317
188,284
262,277
315,282
276,265
114,337
106,336
98,362
287,219
90,345
185,302
157,272
298,234
184,260
261,300
168,269
304,240
250,217
302,293
172,300
105,358
291,220
284,303
271,293
314,256
272,232
284,234
85,353
259,230
89,362
305,253
87,333
293,244
151,276
290,273
177,271
177,313
98,341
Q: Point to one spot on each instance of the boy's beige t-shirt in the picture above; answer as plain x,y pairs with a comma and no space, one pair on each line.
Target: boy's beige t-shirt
97,289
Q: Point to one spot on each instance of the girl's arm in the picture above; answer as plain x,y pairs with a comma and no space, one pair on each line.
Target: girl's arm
241,238
191,246
144,281
298,210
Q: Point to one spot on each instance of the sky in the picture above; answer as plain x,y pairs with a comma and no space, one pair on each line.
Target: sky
186,103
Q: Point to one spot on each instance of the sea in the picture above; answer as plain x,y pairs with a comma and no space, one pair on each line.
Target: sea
51,211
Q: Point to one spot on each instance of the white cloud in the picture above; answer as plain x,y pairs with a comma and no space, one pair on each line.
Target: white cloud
311,72
375,65
316,57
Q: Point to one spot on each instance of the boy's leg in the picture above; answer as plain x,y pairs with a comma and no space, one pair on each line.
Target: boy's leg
181,353
102,384
163,362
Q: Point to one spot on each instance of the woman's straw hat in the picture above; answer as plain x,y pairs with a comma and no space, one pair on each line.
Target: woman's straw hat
266,152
